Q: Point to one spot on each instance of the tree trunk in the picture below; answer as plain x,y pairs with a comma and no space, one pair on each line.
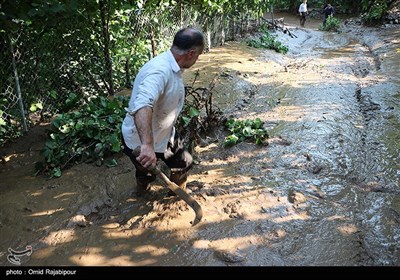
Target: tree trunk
106,46
294,6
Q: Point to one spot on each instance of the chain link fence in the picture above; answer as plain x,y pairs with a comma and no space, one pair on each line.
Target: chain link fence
52,69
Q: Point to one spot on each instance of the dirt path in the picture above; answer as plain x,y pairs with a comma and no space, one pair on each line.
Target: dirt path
325,191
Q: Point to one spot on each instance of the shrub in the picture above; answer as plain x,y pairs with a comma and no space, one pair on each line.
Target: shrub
86,135
332,24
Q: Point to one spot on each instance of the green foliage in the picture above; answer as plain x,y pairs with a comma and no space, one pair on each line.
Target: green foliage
86,135
8,128
268,41
245,129
332,24
375,11
188,114
229,6
129,51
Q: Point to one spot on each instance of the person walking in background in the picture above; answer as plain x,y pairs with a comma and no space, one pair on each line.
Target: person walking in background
303,12
156,101
328,11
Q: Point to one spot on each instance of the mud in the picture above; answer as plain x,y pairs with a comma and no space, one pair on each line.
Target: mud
324,192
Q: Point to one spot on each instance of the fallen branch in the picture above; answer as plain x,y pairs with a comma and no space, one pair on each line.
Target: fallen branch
278,24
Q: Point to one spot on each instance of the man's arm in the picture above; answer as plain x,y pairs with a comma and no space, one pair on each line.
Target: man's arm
143,121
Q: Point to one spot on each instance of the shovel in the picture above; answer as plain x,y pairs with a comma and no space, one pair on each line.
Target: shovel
181,193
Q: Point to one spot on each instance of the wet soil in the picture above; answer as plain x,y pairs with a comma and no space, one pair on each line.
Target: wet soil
323,192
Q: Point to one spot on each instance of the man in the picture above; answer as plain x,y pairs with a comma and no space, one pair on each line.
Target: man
157,99
303,12
328,11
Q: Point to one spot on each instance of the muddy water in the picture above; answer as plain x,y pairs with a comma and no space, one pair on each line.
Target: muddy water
325,191
338,105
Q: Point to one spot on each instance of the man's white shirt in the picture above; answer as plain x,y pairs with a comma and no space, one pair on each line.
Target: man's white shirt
158,85
303,8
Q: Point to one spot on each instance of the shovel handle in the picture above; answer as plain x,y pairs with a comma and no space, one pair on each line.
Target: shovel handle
181,193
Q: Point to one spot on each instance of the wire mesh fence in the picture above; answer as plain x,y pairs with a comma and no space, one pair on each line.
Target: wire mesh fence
54,68
11,112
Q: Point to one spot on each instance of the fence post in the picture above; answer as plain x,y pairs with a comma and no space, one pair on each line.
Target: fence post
272,16
181,14
233,28
223,29
20,103
208,34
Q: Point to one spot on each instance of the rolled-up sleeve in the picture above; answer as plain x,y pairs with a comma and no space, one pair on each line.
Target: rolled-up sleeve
148,91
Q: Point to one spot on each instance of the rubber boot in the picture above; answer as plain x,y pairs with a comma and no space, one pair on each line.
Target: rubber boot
179,178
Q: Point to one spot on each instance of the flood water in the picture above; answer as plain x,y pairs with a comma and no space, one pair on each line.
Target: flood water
338,105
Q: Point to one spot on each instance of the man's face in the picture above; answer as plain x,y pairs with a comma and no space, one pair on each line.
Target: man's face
192,56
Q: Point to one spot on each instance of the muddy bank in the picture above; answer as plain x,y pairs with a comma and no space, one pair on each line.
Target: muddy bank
325,191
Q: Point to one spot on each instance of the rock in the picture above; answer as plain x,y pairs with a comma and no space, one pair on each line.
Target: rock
78,220
216,192
296,197
230,257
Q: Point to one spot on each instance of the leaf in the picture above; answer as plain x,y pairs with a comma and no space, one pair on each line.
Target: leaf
57,172
186,120
257,123
230,123
247,131
112,163
71,98
193,112
36,106
111,119
98,148
53,94
64,129
103,102
230,140
50,144
79,125
89,133
115,143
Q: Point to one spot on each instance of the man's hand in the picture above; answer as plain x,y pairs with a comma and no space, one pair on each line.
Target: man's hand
143,122
147,157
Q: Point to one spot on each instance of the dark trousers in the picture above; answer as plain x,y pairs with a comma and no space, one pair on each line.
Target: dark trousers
303,18
176,157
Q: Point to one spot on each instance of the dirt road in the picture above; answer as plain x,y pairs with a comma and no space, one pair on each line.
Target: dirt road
325,191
